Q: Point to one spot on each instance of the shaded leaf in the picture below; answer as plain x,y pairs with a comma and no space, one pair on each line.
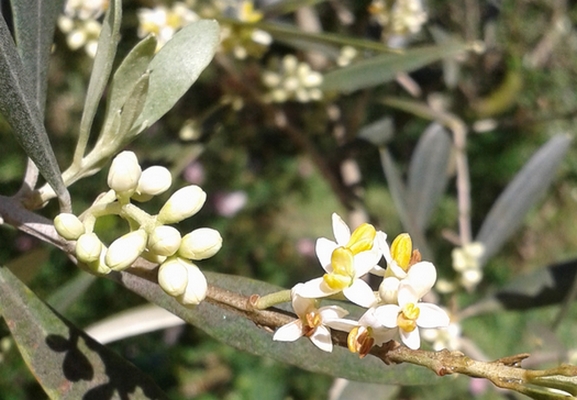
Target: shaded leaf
71,291
66,362
107,45
176,67
384,68
18,105
428,178
379,132
234,329
286,6
34,23
528,187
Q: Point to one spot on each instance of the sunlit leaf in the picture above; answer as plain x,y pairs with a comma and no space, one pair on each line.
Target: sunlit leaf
234,329
428,178
18,104
66,362
384,68
34,23
107,45
524,191
176,67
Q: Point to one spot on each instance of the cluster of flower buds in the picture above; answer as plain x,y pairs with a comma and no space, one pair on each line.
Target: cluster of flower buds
80,23
151,236
396,308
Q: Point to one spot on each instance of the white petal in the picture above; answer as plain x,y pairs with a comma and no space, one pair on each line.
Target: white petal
344,325
382,335
396,270
315,288
365,261
378,270
301,305
289,332
322,338
324,249
360,293
329,313
389,289
411,339
406,293
381,241
387,315
432,316
341,230
422,276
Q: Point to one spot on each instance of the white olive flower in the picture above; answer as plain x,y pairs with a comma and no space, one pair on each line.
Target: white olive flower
345,262
200,244
292,80
312,322
126,249
164,22
124,173
409,314
164,240
68,226
88,248
183,203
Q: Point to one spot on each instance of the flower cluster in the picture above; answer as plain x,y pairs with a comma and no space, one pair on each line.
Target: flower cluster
396,307
400,17
290,79
80,24
150,236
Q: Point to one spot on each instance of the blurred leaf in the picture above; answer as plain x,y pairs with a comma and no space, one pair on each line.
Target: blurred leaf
34,23
127,76
543,287
363,391
232,328
286,6
528,187
428,178
71,291
379,132
18,105
384,68
176,67
567,383
399,194
107,45
27,265
133,322
67,363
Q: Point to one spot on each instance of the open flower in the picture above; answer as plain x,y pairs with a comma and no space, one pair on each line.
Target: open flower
345,261
312,322
409,314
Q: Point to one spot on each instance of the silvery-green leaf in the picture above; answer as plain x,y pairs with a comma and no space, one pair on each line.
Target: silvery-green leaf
176,67
526,189
428,178
34,23
19,106
379,132
384,68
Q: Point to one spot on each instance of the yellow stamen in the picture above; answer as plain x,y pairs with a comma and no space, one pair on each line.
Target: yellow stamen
360,340
402,250
343,269
407,318
362,238
313,319
337,281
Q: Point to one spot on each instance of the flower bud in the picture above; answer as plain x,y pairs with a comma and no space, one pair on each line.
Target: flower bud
173,276
183,203
164,240
124,172
200,244
125,250
154,181
389,290
196,289
99,266
68,226
88,248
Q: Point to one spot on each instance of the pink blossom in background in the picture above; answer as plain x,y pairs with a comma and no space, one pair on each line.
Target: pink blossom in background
306,247
228,204
194,173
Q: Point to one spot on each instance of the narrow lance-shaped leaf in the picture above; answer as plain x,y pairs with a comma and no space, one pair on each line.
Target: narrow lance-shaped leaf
67,363
176,67
18,105
384,68
528,187
234,329
34,23
428,176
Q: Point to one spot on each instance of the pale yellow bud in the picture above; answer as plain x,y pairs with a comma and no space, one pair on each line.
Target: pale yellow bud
125,250
200,244
99,266
154,181
196,289
88,248
183,203
68,226
173,276
164,240
124,173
